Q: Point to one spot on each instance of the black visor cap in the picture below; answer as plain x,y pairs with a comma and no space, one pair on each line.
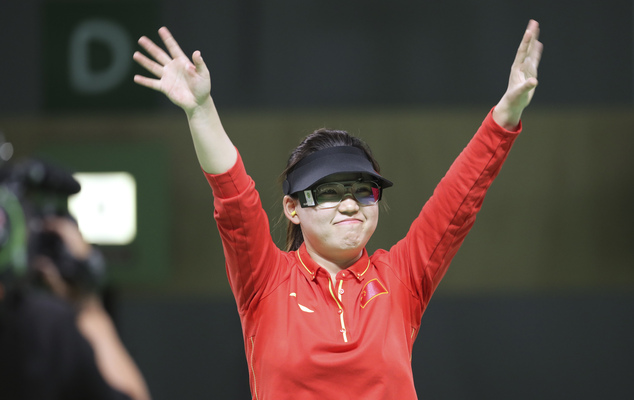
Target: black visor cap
333,160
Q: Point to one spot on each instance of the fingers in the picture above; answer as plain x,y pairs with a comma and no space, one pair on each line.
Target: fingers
154,84
170,43
155,51
533,27
534,46
530,36
159,59
522,49
151,66
535,52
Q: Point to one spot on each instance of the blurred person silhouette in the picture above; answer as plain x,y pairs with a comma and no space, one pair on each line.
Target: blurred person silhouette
323,319
57,341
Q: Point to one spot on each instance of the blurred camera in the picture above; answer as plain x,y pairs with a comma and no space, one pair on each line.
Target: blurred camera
42,190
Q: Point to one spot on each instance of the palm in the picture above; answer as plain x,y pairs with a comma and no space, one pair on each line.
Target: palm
518,91
183,85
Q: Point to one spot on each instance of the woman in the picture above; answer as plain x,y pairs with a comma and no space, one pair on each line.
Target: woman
325,319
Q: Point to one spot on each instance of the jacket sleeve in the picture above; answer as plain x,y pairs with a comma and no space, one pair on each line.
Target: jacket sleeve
421,259
252,259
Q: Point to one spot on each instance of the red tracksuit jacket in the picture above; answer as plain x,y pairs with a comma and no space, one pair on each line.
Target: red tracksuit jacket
307,338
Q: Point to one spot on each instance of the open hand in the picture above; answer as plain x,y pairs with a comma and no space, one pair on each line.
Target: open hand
522,80
186,83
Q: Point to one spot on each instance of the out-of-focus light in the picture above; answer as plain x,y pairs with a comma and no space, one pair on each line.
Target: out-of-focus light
6,151
105,208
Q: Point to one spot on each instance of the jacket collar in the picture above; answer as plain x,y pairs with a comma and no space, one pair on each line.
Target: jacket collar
309,267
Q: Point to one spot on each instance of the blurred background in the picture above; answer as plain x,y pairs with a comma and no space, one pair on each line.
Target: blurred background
538,303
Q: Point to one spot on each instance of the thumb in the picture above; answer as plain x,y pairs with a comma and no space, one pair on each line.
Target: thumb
526,86
520,93
199,63
530,84
197,58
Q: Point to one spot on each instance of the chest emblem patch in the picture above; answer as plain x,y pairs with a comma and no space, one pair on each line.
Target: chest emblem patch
301,307
371,290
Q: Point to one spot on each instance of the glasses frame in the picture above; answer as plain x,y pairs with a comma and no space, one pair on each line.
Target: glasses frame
308,197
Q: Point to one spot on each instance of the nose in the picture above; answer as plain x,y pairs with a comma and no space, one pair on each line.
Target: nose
348,205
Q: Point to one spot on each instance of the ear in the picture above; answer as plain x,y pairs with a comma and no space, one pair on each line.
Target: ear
290,209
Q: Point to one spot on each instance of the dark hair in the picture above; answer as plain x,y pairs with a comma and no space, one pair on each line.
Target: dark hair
318,140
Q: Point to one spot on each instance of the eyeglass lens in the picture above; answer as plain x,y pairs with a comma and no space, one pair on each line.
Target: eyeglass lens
331,194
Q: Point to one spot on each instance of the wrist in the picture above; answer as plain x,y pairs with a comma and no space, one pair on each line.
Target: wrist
202,110
505,116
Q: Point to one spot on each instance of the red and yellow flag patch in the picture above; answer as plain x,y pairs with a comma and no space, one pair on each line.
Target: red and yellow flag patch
371,290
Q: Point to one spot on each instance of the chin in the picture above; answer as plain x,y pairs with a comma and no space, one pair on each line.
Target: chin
352,243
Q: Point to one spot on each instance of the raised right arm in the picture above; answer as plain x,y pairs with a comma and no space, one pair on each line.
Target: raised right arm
187,83
251,255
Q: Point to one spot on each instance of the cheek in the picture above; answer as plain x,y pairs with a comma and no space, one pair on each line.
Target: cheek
371,227
314,223
372,215
372,220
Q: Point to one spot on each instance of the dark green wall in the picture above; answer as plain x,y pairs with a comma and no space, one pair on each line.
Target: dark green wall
285,53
